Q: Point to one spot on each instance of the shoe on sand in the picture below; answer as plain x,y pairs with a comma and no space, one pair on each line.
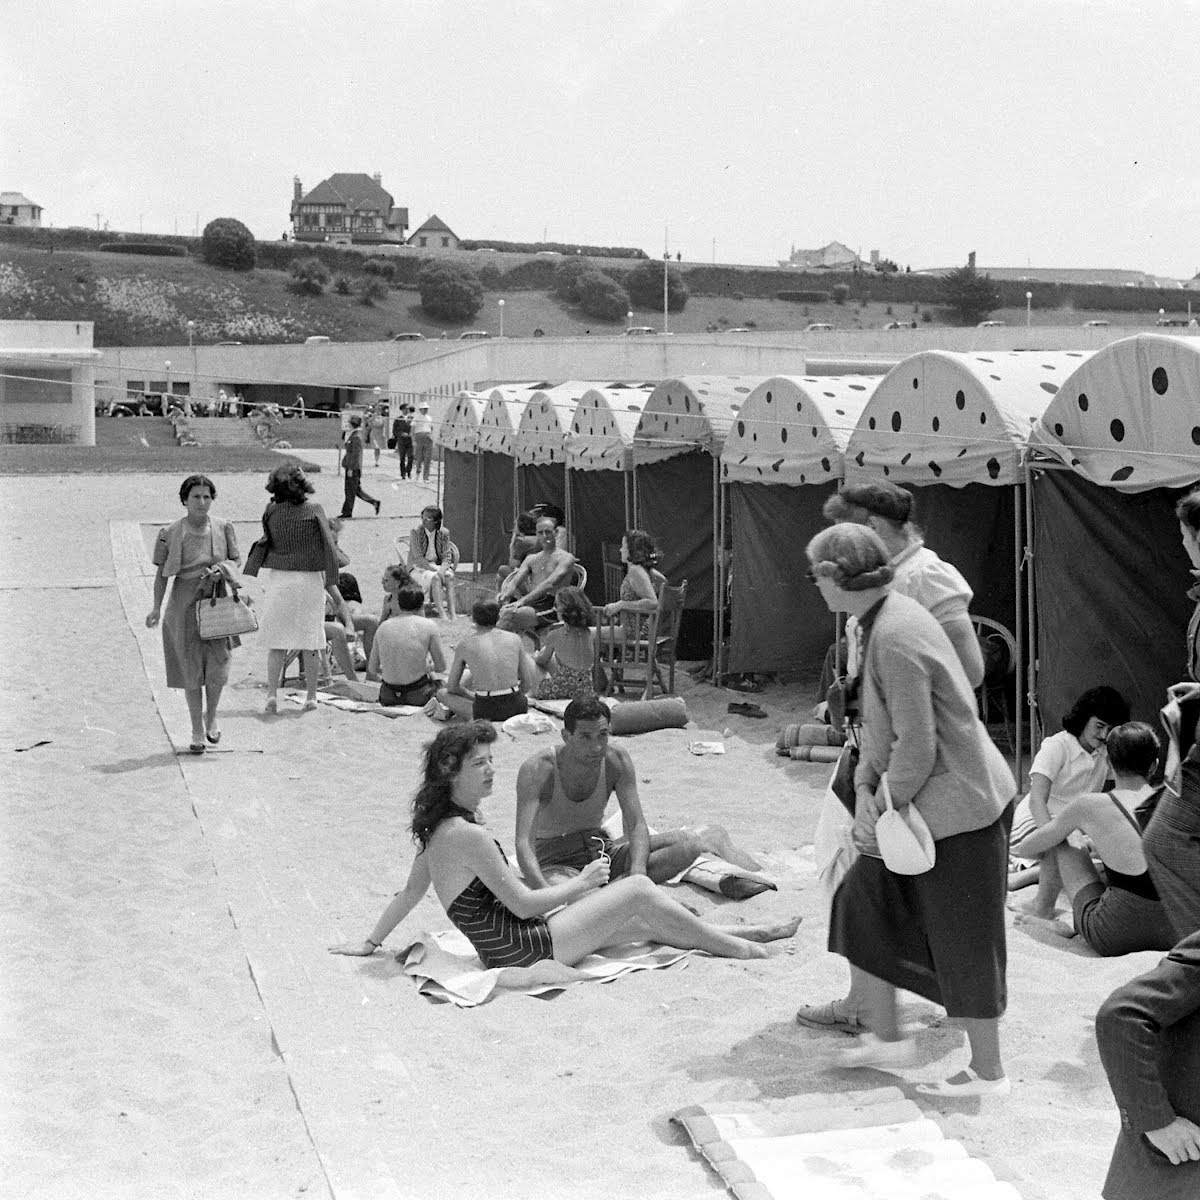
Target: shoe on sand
973,1085
829,1016
872,1051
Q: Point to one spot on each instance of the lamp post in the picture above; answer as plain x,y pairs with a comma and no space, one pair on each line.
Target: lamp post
629,319
501,304
170,388
1028,309
1162,312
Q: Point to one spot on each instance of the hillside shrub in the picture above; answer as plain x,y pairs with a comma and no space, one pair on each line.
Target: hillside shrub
370,291
227,243
566,278
157,249
841,293
969,294
645,286
450,292
795,297
309,276
380,266
342,285
571,248
601,296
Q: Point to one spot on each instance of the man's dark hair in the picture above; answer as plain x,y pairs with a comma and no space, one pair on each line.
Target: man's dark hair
586,708
526,524
348,586
410,598
1104,702
1134,749
485,613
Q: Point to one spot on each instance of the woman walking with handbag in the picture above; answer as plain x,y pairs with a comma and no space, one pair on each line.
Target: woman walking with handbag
196,552
939,933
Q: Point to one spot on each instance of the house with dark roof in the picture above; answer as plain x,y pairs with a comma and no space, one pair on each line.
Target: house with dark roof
831,257
16,209
347,207
435,234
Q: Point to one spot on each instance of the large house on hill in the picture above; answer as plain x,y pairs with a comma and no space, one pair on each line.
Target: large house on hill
16,209
832,257
435,234
347,207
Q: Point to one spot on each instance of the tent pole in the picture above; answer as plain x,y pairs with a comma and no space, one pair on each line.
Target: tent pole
716,567
516,491
1031,658
475,531
1018,563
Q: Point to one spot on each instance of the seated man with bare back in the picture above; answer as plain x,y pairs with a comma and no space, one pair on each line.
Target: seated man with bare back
527,595
562,793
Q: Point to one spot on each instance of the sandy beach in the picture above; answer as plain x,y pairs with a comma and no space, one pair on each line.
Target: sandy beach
174,1026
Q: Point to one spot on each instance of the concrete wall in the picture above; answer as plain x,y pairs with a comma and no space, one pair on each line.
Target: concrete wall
47,382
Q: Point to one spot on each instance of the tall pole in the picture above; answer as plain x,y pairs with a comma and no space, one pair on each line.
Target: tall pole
666,260
501,304
1028,309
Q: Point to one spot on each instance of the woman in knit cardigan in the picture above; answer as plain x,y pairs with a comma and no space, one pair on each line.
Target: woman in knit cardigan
301,562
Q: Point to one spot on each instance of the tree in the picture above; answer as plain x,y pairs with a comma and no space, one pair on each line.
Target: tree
602,296
971,295
566,278
450,292
228,243
645,284
309,276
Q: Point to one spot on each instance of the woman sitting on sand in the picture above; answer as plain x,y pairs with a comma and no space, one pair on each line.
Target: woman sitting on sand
509,924
568,653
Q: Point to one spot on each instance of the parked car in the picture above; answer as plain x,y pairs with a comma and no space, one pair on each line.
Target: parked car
640,331
1096,323
548,254
409,336
897,325
989,324
817,327
316,340
229,343
740,329
473,335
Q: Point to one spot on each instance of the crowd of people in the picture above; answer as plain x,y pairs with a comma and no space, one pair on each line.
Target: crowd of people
1111,819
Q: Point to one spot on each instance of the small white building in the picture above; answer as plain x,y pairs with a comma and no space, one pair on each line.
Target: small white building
47,382
16,209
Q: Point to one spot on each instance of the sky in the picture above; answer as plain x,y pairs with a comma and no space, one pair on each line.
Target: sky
1034,132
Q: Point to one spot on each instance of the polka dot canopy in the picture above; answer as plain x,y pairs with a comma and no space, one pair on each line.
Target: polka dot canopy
941,417
1129,417
794,429
692,413
541,436
602,429
502,416
459,429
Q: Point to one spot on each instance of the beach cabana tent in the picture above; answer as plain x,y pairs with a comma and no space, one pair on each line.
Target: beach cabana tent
1107,460
540,444
677,450
496,447
601,492
782,457
458,436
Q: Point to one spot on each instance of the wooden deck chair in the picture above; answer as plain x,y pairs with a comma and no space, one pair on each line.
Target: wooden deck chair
999,649
614,570
632,648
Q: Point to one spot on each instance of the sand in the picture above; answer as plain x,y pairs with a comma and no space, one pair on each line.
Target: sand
173,1024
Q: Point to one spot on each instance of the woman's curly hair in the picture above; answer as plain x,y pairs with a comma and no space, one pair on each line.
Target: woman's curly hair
574,606
289,485
851,555
640,548
441,762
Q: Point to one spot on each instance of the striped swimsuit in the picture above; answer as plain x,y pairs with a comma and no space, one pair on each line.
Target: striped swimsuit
500,938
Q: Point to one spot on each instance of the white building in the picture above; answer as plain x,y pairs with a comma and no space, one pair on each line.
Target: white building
47,382
16,209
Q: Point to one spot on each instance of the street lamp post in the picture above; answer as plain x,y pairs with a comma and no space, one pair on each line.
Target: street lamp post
501,304
629,319
1028,309
170,386
1162,312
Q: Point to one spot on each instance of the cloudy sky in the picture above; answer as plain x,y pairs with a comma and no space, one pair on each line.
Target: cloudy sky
1047,132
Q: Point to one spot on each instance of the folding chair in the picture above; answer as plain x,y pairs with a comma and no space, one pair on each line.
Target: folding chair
634,647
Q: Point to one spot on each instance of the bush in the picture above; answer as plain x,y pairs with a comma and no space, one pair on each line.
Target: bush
798,297
450,292
645,286
972,296
841,293
566,278
561,247
160,249
380,266
601,296
228,243
342,285
309,276
371,290
490,277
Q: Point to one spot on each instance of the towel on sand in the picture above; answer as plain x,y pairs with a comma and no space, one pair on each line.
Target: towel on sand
352,704
448,970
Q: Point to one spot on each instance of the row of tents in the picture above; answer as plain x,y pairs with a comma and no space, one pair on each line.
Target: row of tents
1047,478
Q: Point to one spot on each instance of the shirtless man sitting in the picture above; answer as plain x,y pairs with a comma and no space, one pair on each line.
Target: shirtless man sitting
561,797
499,667
404,649
527,594
1121,913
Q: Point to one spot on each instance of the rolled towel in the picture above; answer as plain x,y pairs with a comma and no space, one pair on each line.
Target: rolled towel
815,753
643,716
808,734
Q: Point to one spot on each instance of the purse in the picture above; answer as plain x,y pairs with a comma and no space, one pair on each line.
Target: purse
905,843
842,783
257,555
391,443
224,614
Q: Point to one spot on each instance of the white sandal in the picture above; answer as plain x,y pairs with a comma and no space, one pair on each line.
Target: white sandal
973,1085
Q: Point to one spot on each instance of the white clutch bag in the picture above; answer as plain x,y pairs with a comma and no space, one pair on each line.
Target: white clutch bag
905,843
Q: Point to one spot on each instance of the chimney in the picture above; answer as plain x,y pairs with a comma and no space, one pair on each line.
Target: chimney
378,179
297,190
971,260
874,258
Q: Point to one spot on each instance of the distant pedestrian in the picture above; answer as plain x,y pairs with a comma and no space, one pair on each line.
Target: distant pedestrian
352,466
402,435
422,435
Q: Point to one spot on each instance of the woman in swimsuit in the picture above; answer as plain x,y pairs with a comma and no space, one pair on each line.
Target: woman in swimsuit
568,653
509,924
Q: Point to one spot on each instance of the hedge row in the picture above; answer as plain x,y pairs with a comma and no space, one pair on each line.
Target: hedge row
158,249
559,247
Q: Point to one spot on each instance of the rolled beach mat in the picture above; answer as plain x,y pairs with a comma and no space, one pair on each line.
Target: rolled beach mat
643,716
809,734
826,754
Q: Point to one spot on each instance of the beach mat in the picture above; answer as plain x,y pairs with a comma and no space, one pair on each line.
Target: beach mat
448,970
871,1145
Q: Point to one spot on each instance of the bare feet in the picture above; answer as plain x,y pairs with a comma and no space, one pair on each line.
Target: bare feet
766,933
715,840
1033,908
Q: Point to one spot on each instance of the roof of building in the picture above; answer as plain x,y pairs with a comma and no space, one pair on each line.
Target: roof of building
17,198
353,189
1117,276
832,253
435,224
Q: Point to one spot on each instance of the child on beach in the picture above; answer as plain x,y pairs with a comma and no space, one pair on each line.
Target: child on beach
1068,765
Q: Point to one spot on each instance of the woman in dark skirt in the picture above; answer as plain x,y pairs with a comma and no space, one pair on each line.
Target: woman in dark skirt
191,552
939,934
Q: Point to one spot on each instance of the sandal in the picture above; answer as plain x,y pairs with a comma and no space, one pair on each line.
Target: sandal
745,709
973,1085
827,1016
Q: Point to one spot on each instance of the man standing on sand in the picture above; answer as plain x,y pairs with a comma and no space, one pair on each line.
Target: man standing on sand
352,455
527,594
422,436
562,793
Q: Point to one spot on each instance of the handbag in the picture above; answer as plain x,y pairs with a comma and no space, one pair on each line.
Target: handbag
905,843
842,783
391,443
257,555
224,613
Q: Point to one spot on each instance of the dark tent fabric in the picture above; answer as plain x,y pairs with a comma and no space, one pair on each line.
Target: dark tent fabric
597,515
972,528
1111,579
543,484
458,500
495,505
675,508
779,622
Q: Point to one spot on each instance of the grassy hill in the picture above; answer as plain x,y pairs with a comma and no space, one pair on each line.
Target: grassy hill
146,301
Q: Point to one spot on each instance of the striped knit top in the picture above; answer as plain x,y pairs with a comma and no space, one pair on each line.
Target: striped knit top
300,539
